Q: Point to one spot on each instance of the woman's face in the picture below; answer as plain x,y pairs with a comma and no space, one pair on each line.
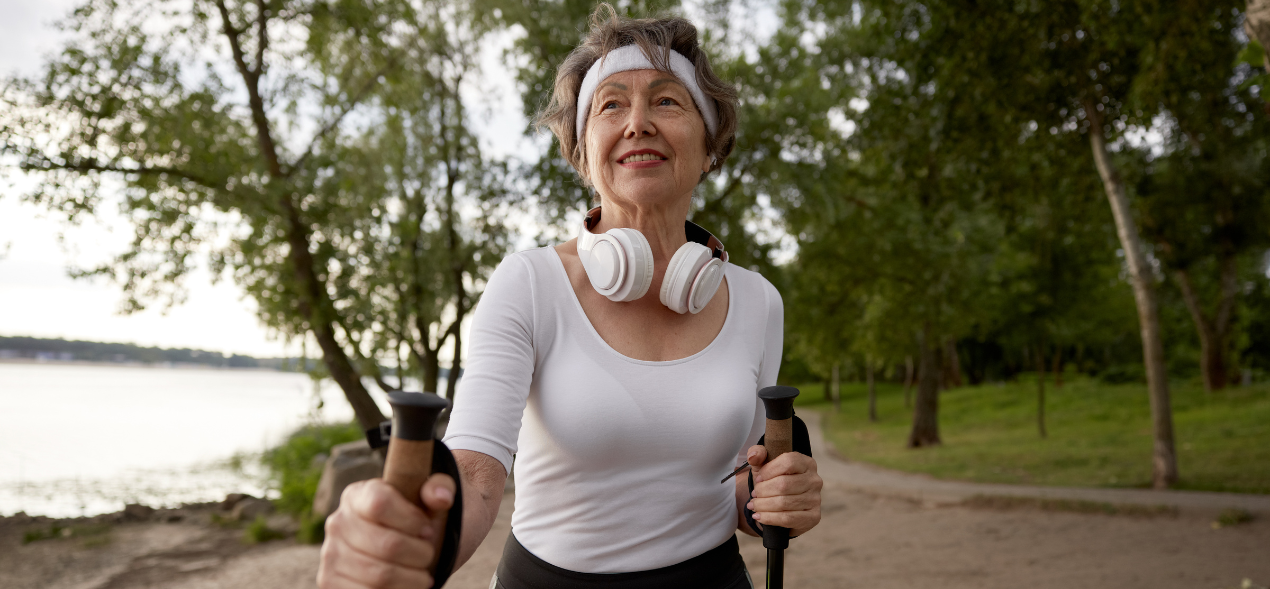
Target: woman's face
645,140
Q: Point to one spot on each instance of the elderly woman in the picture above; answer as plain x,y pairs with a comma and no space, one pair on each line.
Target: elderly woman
620,368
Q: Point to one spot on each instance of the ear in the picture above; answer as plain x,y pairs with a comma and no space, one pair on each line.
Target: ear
707,162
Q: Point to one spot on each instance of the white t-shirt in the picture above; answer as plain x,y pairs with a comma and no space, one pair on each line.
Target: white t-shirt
618,460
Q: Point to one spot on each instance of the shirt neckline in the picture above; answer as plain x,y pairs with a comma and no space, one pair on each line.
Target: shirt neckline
563,275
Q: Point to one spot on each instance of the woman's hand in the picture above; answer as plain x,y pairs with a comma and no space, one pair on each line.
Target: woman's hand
786,490
378,539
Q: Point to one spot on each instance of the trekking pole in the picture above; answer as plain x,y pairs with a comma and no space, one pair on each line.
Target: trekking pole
778,402
409,461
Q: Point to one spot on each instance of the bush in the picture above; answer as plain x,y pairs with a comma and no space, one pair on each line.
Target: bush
259,532
312,529
291,466
1123,374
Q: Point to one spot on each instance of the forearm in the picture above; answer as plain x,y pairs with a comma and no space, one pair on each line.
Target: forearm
483,480
743,497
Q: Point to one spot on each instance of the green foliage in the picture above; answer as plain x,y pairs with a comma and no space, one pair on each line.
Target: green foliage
92,535
1099,434
292,469
259,532
1233,516
1068,505
312,529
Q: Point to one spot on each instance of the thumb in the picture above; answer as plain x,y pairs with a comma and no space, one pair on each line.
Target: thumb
757,456
437,494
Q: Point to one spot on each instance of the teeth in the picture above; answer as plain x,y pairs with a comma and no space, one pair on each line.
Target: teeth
643,157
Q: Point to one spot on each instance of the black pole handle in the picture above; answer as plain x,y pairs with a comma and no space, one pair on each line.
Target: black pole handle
409,461
778,403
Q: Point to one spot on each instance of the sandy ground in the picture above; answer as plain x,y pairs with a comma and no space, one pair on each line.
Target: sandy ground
864,541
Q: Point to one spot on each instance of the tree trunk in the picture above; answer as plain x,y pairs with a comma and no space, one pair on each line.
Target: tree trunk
1257,24
925,430
873,398
1040,390
452,380
431,371
952,364
908,381
836,390
314,304
1214,333
1164,457
1058,367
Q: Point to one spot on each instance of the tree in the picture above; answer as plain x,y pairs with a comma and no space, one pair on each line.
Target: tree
1204,197
272,165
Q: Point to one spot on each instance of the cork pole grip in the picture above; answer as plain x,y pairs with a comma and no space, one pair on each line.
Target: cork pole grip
779,437
408,466
409,461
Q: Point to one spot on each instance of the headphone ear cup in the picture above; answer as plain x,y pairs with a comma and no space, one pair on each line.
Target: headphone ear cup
705,285
639,265
605,264
681,272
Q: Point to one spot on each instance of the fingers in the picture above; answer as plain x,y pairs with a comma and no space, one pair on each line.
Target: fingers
785,464
376,539
787,493
381,543
343,567
376,501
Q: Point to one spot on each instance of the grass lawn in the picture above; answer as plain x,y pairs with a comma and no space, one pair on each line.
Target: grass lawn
1099,434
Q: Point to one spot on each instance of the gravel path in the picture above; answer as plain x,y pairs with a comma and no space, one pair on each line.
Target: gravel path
880,530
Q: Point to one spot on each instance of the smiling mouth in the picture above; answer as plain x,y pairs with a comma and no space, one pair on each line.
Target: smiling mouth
643,157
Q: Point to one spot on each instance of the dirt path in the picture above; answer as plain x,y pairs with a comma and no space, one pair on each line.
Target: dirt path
908,534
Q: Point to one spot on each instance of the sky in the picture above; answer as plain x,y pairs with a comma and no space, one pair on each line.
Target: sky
38,298
37,249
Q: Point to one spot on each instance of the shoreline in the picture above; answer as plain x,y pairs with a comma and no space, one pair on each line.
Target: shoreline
133,364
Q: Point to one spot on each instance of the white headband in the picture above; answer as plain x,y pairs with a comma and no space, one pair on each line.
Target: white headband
630,57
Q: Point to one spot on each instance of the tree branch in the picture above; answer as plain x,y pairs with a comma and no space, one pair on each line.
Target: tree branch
93,166
333,123
262,36
252,79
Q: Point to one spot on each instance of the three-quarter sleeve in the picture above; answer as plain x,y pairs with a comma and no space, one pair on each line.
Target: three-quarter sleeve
770,364
491,396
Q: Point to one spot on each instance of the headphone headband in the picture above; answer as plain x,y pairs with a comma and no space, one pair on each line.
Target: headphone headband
694,232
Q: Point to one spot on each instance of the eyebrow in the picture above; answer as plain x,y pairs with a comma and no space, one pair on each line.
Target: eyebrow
619,86
660,81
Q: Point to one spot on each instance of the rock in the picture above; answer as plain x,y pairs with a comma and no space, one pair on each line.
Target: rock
349,463
249,508
136,512
232,499
283,523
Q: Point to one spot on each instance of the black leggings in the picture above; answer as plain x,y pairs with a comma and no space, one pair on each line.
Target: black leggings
720,568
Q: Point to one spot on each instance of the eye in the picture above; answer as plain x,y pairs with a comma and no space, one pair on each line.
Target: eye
608,105
667,101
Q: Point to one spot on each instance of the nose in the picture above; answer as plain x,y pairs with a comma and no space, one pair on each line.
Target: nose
639,122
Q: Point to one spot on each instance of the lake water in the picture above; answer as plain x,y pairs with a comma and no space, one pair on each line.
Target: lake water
81,440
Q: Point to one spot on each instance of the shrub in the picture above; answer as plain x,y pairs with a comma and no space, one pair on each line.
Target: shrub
312,529
259,532
291,466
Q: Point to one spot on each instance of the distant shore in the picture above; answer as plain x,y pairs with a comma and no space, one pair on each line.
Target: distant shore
135,364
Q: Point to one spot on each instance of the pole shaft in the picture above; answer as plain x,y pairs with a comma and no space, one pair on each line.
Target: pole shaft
775,568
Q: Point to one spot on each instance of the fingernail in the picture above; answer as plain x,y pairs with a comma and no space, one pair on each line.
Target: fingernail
444,494
750,506
758,516
757,478
752,454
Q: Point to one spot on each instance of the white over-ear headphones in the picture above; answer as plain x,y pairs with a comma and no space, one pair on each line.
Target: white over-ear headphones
619,264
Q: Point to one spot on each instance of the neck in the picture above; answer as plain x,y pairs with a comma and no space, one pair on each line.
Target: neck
662,226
